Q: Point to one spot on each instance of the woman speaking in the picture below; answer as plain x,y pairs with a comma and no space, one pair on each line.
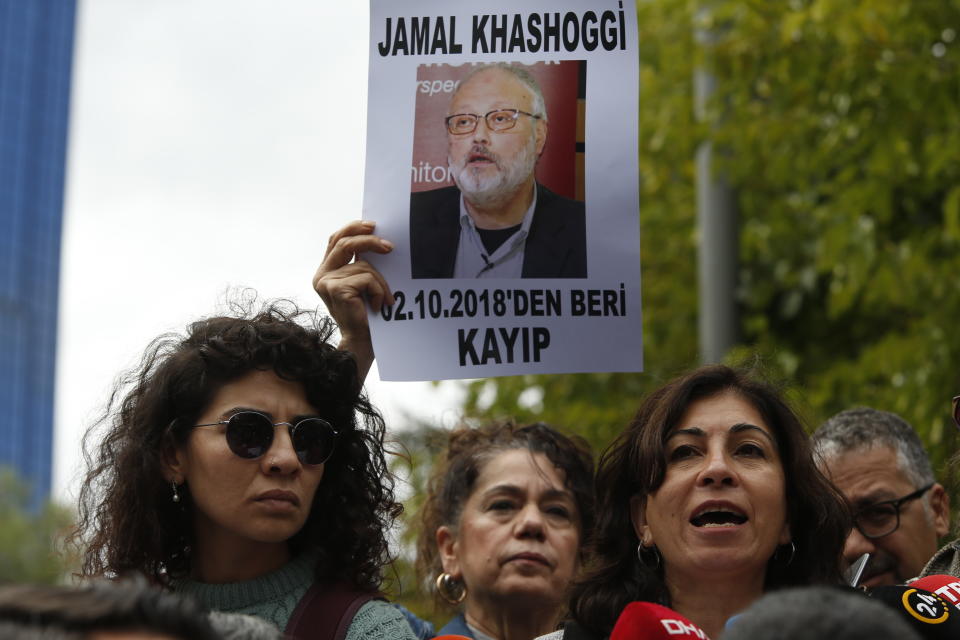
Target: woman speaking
244,466
707,500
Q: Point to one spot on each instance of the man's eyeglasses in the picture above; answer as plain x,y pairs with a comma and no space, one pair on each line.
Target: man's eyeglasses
883,518
250,434
956,410
498,120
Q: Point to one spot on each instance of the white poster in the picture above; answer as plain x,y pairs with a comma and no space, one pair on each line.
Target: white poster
502,164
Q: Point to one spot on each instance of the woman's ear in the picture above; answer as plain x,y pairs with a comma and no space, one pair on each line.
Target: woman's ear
638,515
173,461
447,544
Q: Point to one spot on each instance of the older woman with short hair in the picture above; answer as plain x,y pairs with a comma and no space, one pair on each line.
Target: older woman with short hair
502,528
509,508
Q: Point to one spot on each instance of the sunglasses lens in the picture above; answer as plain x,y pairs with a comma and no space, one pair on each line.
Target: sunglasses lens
249,434
313,440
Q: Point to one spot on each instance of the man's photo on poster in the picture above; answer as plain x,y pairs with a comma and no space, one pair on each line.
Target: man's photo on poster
497,179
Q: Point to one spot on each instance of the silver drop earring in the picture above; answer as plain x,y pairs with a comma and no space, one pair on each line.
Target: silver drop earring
176,496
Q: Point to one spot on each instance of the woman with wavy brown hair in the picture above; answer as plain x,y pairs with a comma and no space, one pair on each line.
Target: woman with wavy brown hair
503,526
240,463
708,499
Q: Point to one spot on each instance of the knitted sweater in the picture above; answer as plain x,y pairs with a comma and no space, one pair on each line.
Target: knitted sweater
275,595
946,560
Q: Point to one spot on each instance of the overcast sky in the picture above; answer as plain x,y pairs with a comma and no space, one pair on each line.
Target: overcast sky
213,144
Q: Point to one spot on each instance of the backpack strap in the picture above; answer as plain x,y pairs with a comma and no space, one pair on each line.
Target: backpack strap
326,610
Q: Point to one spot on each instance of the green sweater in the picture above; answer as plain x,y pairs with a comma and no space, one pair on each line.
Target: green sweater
275,595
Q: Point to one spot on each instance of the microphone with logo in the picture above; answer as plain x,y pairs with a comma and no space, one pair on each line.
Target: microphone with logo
927,613
649,621
947,587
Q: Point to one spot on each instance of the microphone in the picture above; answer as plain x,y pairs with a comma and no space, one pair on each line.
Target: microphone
649,621
947,587
450,636
928,614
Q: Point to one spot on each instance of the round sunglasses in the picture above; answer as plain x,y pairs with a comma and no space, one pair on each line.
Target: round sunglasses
250,434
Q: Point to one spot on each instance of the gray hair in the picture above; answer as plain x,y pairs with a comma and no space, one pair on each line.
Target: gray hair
54,612
865,428
813,613
520,73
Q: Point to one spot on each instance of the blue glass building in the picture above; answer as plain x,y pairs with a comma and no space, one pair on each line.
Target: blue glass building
36,52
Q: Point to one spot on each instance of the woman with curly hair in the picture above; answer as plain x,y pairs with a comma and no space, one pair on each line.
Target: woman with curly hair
502,528
242,465
707,500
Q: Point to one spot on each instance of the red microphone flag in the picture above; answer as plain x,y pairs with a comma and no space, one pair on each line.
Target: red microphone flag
649,621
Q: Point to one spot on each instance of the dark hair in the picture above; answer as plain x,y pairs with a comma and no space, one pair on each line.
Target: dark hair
44,611
125,505
469,449
635,465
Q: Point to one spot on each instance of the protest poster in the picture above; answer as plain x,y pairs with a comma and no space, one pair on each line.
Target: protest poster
502,163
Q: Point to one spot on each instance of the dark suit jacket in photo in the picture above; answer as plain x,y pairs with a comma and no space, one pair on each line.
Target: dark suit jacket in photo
556,245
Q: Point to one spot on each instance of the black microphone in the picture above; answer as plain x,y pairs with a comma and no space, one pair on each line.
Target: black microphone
947,587
927,613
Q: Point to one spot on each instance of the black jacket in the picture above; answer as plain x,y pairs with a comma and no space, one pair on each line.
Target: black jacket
556,245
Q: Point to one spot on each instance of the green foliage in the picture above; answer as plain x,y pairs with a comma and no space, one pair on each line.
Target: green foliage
29,539
841,121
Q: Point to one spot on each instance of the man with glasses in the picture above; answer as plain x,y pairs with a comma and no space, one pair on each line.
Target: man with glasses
947,560
497,222
879,464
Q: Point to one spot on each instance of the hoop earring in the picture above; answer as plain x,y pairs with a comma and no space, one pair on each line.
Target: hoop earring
450,589
641,550
176,496
779,559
